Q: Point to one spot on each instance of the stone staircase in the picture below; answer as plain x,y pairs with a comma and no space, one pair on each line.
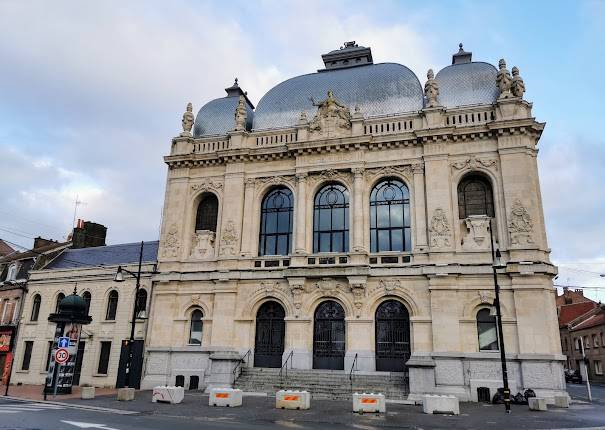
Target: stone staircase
323,384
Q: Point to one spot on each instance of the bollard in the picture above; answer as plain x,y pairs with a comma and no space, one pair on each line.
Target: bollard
433,404
371,402
229,397
562,401
537,404
125,394
165,394
289,399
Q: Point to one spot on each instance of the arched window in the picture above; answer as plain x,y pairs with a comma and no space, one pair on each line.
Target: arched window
207,213
36,307
331,219
487,331
276,223
60,297
112,305
87,298
475,197
141,302
196,327
390,217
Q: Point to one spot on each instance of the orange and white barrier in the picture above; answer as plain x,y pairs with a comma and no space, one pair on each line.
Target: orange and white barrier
228,397
371,402
167,394
290,399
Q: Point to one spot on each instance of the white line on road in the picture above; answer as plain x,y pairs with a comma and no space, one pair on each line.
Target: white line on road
88,425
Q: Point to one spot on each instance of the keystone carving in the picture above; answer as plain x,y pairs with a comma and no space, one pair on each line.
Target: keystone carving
439,230
520,225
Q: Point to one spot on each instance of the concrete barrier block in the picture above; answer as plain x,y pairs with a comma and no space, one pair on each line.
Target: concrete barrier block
166,394
229,397
87,393
291,399
562,401
369,402
537,404
125,394
434,404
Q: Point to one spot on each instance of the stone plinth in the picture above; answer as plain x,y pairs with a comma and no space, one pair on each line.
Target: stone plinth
125,394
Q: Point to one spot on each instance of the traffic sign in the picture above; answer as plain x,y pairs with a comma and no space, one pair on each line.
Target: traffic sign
62,356
63,342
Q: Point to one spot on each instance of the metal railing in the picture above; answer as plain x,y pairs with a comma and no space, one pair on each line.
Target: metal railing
285,365
353,368
244,359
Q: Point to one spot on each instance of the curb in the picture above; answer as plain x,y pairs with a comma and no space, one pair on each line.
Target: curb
73,406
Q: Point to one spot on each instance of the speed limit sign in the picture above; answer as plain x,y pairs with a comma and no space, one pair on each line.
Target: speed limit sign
62,356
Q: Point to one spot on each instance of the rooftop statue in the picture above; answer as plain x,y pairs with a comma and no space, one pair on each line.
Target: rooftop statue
331,115
503,80
187,121
517,86
431,89
241,114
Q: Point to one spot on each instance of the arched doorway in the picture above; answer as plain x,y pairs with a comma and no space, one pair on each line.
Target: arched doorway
329,336
392,336
270,330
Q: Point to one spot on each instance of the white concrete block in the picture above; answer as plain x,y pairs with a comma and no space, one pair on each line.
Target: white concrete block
87,393
562,401
537,404
229,397
125,394
173,395
291,399
369,402
440,404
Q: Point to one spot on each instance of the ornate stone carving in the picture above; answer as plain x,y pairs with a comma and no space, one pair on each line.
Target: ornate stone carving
389,284
503,80
431,90
303,120
418,168
172,242
520,225
301,177
485,296
207,185
297,291
241,114
187,121
332,117
203,244
517,86
473,162
327,285
477,233
274,180
358,289
229,239
405,171
195,299
439,230
330,175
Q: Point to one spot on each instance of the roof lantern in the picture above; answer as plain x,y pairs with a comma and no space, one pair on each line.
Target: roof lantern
236,91
461,56
349,55
72,309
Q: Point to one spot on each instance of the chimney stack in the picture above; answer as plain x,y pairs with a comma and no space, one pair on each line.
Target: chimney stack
88,234
40,242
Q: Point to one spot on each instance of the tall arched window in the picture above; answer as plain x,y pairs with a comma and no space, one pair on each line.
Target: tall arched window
196,327
112,305
276,223
60,297
36,307
207,213
87,298
475,197
331,219
141,302
390,217
487,331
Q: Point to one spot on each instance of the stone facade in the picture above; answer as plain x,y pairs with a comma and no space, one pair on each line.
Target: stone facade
443,279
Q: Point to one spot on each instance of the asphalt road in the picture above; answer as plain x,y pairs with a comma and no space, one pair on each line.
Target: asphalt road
579,392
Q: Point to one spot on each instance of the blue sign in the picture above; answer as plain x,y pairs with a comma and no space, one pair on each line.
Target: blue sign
63,342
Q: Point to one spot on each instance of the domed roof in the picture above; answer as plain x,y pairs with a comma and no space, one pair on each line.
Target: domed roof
72,304
467,83
217,117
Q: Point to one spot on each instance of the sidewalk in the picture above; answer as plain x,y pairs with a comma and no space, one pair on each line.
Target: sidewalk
34,392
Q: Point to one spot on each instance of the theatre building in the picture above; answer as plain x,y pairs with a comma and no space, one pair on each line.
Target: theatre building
344,224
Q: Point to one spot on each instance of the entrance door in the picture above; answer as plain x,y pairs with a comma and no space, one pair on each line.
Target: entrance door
392,337
270,330
136,366
78,367
329,336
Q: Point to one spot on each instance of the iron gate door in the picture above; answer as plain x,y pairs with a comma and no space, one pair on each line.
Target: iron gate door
392,337
329,336
270,330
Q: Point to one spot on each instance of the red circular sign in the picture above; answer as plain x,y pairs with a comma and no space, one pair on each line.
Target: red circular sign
61,356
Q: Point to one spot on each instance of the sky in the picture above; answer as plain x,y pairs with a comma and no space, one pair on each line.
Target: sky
91,94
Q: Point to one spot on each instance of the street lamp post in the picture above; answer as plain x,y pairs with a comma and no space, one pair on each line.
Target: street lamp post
497,264
119,277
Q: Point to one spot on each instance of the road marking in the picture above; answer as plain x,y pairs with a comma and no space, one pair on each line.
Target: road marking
88,425
14,408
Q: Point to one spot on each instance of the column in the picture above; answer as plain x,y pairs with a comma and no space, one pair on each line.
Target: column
358,185
248,227
419,208
301,214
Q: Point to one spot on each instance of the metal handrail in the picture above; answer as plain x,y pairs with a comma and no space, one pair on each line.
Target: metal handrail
285,365
353,368
239,363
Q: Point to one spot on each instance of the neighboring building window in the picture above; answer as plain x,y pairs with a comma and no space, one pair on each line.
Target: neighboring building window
207,213
331,219
104,358
141,301
390,217
586,342
87,298
5,303
27,354
48,354
60,297
12,272
36,307
577,343
487,331
276,223
595,340
196,328
475,197
112,305
598,367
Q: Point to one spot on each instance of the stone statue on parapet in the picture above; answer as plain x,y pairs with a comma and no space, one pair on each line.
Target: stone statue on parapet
330,112
503,80
187,121
431,89
241,114
517,86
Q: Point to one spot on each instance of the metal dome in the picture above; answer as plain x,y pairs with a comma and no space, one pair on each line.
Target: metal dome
468,83
378,89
